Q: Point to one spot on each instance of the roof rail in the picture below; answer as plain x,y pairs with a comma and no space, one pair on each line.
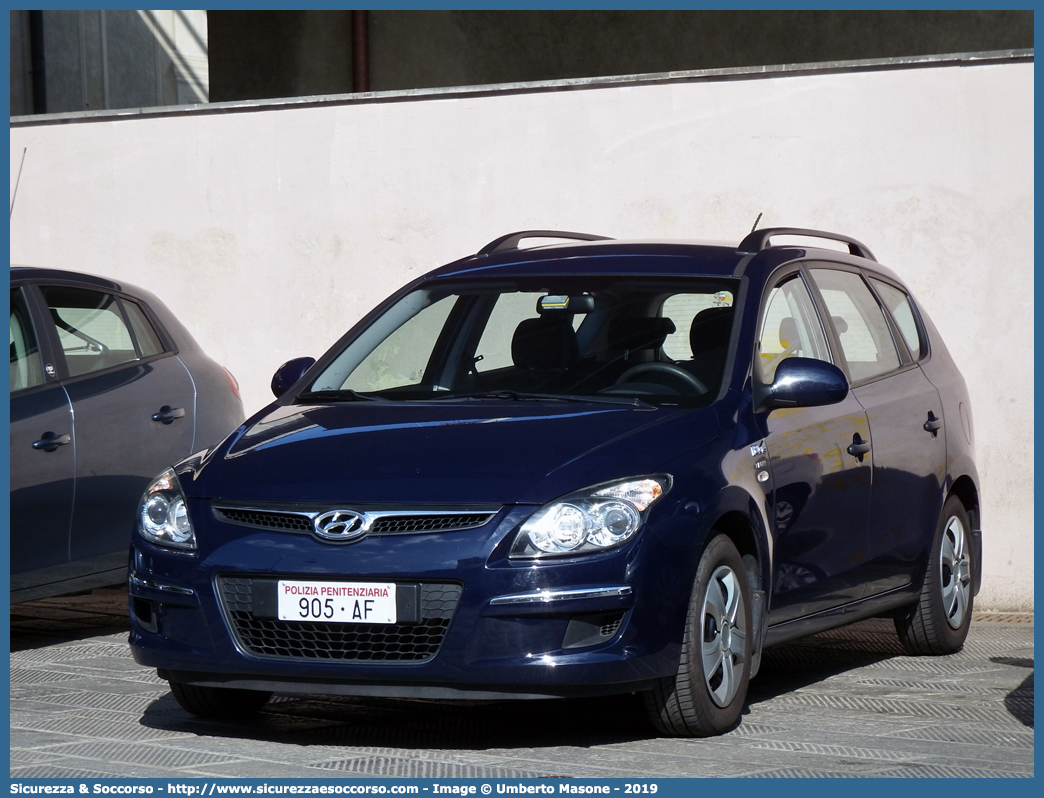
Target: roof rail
511,240
758,240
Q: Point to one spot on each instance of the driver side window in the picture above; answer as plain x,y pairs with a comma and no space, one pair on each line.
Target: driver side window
790,327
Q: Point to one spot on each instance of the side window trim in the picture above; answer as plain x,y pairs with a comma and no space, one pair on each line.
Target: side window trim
127,323
24,366
55,355
126,303
922,333
780,276
166,341
60,353
824,314
463,318
905,361
45,334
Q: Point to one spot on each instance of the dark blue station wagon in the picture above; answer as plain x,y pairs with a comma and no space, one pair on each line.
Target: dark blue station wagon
577,469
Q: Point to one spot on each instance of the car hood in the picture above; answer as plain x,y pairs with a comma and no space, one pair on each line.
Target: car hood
499,452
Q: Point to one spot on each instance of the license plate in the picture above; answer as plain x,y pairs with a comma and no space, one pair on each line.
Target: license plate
336,602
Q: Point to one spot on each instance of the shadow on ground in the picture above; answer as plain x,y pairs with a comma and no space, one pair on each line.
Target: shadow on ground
805,662
1019,702
65,619
390,723
372,722
369,722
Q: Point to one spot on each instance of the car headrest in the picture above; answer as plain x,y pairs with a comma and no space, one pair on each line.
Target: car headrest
546,343
788,333
710,330
632,334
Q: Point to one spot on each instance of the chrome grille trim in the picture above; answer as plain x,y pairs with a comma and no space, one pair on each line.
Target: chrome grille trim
137,581
547,596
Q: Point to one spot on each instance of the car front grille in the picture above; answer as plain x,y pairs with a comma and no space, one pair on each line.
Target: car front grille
270,638
404,524
611,626
382,522
264,519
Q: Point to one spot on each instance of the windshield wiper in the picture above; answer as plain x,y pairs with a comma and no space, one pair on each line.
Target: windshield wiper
520,396
342,395
515,396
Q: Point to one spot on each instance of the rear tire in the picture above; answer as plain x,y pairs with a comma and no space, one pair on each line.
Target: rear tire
218,702
939,623
706,696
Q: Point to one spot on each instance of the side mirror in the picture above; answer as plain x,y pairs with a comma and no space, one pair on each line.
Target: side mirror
803,382
289,373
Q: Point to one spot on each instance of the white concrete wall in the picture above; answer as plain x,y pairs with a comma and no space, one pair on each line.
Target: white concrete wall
270,232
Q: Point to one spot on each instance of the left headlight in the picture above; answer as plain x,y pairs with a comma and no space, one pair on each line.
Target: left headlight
594,519
163,517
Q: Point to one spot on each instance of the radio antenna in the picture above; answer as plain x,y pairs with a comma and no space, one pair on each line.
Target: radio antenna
17,181
755,227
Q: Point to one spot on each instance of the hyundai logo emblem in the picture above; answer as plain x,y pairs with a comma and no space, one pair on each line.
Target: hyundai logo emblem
339,525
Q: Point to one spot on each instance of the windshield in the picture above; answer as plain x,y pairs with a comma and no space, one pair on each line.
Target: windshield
658,341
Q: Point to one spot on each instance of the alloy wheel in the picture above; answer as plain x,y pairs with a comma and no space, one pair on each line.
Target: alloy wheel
723,636
954,572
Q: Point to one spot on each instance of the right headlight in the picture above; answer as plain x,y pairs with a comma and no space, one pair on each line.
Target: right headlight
163,516
594,519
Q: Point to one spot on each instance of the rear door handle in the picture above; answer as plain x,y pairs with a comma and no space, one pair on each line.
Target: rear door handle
167,414
933,424
50,441
858,447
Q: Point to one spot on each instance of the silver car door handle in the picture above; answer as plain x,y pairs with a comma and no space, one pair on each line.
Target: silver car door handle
859,447
933,424
167,414
50,441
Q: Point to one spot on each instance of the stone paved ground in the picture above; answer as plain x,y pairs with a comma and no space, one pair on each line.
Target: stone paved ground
842,704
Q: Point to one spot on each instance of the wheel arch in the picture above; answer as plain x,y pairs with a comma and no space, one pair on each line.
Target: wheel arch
965,489
737,513
740,530
743,523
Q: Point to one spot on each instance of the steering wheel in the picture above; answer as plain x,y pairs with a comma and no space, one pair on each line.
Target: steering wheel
664,368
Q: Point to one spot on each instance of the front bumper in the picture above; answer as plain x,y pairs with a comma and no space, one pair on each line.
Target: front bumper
471,622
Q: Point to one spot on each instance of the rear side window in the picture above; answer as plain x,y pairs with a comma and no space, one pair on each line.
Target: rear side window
149,343
866,341
899,305
93,331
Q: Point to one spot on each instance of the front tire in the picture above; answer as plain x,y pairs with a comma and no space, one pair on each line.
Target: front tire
939,623
706,696
218,702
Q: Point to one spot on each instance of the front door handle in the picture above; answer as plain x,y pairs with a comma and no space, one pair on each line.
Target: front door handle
167,414
858,447
933,424
50,441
